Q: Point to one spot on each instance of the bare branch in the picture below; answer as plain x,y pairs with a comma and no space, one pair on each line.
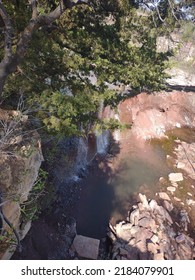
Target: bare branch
34,8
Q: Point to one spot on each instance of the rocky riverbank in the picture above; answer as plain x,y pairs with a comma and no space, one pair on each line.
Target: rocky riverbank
149,232
162,228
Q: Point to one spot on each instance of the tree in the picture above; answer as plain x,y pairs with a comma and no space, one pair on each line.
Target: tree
52,47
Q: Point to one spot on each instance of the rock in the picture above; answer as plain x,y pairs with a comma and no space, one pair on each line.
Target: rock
152,248
176,177
190,202
192,186
154,238
123,252
180,165
143,200
164,196
180,238
159,256
189,194
141,207
134,216
176,199
167,205
174,184
132,242
86,247
162,180
177,141
171,189
165,215
126,226
134,229
153,204
184,219
147,223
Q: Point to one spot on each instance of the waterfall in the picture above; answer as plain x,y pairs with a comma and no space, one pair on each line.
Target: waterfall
102,142
81,158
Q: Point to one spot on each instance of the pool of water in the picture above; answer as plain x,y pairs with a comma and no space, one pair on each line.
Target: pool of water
112,184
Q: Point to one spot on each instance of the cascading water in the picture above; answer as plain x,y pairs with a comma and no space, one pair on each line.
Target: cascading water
102,138
102,142
81,159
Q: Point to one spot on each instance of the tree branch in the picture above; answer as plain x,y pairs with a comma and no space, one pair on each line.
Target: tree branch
34,8
8,31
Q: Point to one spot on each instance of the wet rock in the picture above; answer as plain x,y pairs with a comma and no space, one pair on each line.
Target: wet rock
86,247
164,196
176,177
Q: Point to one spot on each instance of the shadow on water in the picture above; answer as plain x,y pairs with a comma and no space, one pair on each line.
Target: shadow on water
94,208
113,182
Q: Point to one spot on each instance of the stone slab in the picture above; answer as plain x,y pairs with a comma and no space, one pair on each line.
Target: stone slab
86,247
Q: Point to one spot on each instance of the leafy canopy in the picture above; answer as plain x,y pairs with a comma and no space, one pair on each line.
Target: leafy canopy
113,41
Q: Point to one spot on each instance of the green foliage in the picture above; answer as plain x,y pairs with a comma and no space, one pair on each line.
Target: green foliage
6,240
108,39
31,208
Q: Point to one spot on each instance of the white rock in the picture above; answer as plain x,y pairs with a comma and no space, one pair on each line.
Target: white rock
153,204
190,201
171,189
134,216
143,200
176,177
164,196
176,199
180,165
86,247
154,238
189,194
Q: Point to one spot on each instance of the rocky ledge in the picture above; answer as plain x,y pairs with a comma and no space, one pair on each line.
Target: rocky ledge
20,160
149,233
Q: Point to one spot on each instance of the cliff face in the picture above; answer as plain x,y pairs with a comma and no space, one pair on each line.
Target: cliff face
20,160
151,115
